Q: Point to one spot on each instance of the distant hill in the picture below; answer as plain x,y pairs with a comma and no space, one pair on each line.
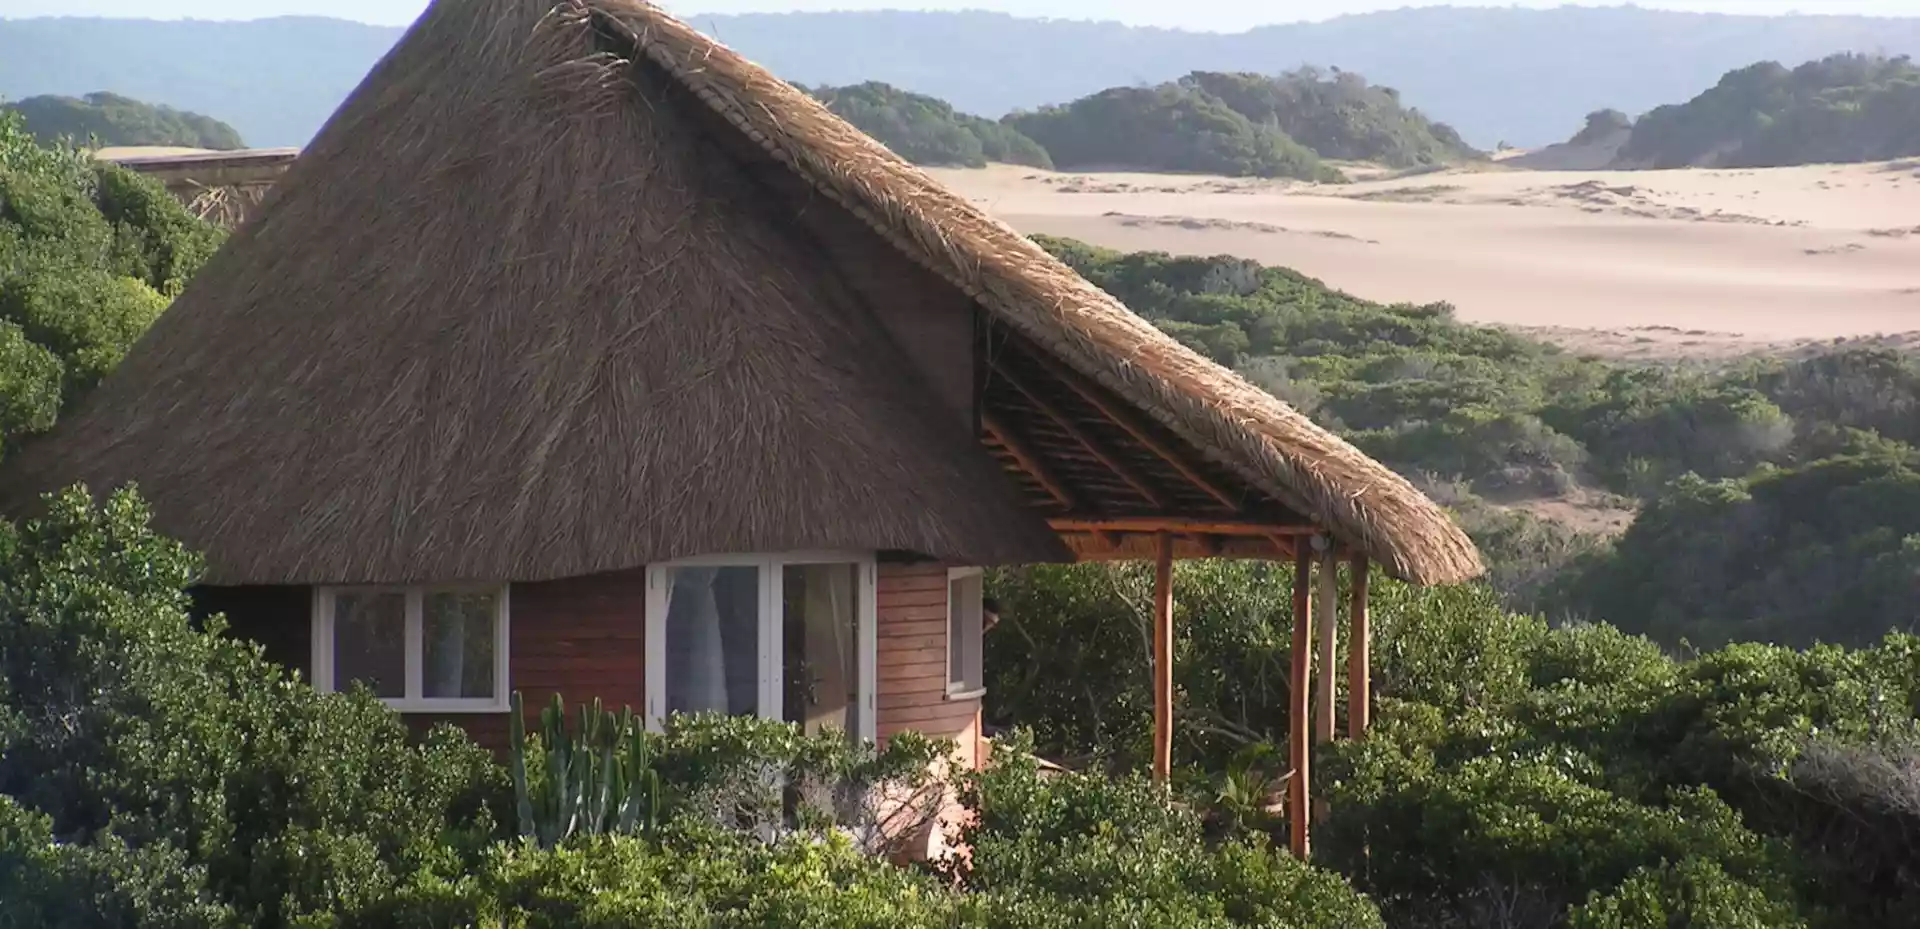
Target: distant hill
1338,114
1842,108
115,120
929,131
1243,124
1523,76
1171,127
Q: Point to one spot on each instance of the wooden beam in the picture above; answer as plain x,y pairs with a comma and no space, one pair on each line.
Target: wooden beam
1326,631
1092,445
1027,460
1298,789
1125,420
1163,659
1359,655
1163,524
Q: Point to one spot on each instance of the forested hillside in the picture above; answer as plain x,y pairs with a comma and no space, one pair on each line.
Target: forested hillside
1841,108
928,131
1525,76
115,120
1243,125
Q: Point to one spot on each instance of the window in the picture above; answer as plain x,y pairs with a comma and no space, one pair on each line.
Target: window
966,676
779,636
420,649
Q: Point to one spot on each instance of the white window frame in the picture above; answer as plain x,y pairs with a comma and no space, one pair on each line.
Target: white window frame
771,636
415,661
963,689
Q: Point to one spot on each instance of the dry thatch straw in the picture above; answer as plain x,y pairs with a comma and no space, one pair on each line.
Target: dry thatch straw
526,308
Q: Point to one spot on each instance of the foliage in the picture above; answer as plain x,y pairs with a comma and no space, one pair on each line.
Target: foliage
1846,107
1828,551
1171,127
747,775
1805,542
1517,773
118,718
1089,850
1244,125
89,256
107,119
1337,114
595,780
928,131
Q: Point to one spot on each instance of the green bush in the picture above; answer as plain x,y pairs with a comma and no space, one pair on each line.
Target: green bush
1118,851
89,256
118,717
1694,893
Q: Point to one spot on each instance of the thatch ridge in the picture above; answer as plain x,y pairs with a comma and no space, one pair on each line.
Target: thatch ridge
1234,423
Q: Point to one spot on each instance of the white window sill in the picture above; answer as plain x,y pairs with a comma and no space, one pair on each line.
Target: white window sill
447,706
968,694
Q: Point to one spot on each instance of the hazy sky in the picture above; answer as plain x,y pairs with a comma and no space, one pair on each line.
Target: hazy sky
1192,14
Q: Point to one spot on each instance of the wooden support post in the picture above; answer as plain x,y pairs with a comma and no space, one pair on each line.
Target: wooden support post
1326,632
1359,655
1163,657
1298,788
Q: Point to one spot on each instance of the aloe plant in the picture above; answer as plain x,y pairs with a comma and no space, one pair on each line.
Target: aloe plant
597,780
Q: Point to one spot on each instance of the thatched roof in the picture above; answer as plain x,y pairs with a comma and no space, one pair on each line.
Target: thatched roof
563,289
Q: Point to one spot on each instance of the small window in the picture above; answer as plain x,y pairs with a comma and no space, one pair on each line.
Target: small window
966,677
420,649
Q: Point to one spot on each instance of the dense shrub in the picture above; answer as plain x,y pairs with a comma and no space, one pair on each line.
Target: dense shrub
1826,552
89,256
1089,850
118,718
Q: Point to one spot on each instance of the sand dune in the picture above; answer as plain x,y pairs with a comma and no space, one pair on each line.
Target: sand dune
1622,262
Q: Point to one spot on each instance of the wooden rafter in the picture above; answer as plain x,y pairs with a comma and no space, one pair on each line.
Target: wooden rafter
1163,524
1027,460
1088,442
1127,421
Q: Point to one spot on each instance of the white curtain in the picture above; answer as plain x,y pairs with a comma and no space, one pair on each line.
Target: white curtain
696,656
447,672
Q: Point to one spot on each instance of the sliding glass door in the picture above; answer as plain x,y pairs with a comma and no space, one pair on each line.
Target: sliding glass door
783,637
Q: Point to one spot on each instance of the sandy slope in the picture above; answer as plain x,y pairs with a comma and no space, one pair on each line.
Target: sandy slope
1646,262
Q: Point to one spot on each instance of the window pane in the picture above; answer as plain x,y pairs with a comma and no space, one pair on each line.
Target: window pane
821,670
963,632
370,641
457,631
956,631
713,640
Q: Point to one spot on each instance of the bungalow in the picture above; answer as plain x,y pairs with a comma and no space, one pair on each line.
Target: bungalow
578,353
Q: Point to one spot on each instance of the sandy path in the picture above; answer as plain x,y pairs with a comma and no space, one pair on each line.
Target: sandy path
1730,261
